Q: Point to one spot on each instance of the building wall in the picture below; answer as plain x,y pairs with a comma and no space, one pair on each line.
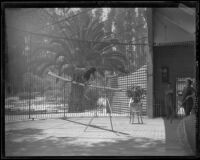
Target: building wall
180,61
173,25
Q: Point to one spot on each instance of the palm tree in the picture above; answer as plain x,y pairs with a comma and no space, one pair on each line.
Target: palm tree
89,48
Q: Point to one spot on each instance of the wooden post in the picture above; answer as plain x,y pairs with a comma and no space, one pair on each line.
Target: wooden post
64,100
150,64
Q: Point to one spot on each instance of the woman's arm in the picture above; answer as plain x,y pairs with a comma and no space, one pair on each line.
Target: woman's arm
184,94
130,101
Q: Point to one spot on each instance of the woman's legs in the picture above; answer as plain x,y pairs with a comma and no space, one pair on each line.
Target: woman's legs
188,108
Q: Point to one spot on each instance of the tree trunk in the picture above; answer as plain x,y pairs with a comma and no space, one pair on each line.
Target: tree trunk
76,98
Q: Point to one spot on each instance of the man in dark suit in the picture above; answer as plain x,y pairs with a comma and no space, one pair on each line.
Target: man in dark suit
188,97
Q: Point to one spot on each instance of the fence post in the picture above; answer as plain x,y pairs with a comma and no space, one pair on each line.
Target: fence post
64,99
29,105
29,68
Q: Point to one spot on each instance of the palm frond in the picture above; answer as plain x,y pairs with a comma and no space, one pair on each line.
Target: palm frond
115,54
99,27
78,53
89,28
101,46
99,36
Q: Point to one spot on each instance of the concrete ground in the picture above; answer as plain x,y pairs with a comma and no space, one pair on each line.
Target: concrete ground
66,137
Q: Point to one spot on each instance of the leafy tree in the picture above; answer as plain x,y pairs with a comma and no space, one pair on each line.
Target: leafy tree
130,27
110,20
16,62
18,49
98,13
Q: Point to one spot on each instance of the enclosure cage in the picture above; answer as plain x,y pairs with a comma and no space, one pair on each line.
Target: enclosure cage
43,96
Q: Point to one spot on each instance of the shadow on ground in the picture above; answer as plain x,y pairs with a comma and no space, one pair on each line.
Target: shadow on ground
170,130
172,137
47,140
65,146
25,132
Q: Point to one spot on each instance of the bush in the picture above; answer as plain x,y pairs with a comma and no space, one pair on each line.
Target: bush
11,100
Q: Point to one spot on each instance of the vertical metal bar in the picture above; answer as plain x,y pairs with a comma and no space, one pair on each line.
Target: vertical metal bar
138,117
43,91
29,104
64,98
110,114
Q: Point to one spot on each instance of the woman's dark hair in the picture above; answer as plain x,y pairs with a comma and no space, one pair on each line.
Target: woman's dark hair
189,81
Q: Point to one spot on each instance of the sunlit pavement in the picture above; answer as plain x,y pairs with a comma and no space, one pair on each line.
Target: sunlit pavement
66,137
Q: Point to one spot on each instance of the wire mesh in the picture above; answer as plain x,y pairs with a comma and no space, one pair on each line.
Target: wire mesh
50,98
43,96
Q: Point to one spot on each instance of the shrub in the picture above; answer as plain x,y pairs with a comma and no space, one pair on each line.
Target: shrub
11,100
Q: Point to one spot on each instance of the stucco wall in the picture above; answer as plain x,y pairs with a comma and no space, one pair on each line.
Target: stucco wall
173,25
